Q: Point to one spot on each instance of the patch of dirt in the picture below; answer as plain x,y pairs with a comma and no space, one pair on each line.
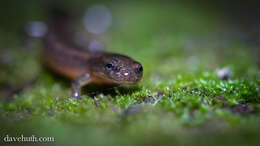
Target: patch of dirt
132,110
240,108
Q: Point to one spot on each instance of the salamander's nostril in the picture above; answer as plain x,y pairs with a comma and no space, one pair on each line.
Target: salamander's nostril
139,68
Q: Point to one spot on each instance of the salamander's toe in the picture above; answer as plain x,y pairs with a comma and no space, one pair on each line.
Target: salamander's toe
76,95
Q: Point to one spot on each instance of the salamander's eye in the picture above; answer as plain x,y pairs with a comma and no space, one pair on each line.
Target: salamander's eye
109,66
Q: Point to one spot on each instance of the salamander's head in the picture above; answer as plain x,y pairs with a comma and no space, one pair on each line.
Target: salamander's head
119,69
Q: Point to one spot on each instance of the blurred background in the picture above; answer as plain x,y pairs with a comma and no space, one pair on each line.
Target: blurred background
169,38
176,36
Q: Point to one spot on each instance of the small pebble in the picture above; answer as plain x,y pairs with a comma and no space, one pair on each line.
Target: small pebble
224,73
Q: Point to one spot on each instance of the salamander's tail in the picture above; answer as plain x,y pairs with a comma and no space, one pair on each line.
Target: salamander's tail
60,19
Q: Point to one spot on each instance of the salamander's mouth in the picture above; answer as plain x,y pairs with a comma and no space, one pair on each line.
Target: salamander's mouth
129,82
125,82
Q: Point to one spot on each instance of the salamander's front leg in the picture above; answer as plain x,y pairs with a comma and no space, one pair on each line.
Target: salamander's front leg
78,83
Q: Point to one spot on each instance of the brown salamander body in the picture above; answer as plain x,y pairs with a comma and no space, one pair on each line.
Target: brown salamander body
85,67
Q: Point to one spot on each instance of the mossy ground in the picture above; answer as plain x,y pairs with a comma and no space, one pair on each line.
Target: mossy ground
180,100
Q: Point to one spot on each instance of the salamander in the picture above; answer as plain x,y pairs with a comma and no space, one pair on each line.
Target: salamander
65,57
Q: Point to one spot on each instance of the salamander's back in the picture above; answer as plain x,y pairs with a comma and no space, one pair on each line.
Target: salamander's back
60,52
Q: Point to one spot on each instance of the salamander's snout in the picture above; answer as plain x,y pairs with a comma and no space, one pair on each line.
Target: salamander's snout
138,68
138,71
